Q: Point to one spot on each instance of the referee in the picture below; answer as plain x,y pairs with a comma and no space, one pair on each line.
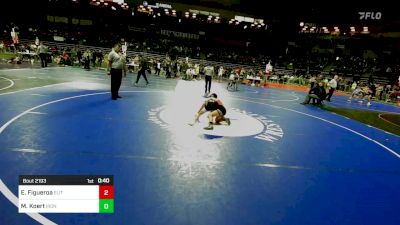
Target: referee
116,65
208,72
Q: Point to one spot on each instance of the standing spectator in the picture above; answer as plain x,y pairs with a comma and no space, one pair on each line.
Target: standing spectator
379,91
100,58
86,58
116,65
2,47
220,73
167,65
196,70
94,57
158,67
354,86
372,87
42,51
79,55
142,69
398,81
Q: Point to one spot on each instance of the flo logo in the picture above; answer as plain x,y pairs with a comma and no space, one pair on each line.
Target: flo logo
370,15
243,124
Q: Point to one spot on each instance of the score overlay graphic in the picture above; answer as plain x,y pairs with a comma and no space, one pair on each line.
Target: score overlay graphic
66,194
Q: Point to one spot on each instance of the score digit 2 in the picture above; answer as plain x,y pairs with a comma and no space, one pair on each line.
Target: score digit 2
106,192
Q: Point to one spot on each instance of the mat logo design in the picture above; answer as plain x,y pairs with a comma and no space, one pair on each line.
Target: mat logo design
272,131
267,130
155,119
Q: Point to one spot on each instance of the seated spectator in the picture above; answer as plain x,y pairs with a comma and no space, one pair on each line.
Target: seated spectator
317,93
233,79
361,93
15,60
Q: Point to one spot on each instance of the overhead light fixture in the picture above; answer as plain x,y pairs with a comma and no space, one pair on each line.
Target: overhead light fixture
301,24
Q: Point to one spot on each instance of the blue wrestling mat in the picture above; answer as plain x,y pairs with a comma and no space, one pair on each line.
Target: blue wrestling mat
278,163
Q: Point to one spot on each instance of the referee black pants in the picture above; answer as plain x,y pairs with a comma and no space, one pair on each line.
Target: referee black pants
330,93
43,59
116,79
208,83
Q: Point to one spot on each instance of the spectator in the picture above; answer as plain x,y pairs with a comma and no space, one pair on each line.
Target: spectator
317,93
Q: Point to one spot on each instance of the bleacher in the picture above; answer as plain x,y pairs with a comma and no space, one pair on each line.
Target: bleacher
154,56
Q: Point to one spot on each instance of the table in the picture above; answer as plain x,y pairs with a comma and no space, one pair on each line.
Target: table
254,79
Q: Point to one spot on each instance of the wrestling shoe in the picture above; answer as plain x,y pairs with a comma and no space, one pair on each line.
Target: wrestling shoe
209,127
